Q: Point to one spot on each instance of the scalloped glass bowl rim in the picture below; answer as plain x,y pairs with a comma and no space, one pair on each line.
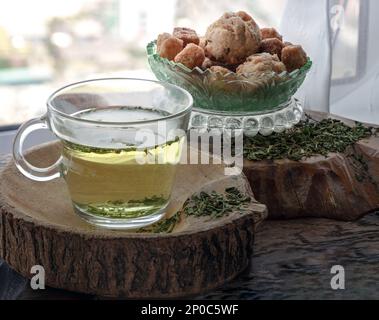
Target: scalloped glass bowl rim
287,77
222,113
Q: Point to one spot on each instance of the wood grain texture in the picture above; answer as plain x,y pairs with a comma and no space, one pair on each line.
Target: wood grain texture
292,260
340,186
38,227
11,283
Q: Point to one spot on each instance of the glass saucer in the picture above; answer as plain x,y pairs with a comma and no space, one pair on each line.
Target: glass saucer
285,117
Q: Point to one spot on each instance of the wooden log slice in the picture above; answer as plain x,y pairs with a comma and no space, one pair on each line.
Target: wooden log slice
39,227
342,186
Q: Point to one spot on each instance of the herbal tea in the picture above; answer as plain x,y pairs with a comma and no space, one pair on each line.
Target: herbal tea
112,183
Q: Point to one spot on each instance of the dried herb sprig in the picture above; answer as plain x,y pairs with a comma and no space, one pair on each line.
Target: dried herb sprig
308,138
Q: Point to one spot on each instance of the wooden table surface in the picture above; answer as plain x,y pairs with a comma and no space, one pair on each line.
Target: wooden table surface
292,260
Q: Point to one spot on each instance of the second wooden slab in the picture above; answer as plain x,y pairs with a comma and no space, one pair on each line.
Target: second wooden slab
342,186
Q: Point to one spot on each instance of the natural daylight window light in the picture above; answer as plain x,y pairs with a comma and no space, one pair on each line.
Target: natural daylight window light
65,41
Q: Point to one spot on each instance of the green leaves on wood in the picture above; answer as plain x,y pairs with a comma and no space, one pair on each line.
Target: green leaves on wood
308,138
214,205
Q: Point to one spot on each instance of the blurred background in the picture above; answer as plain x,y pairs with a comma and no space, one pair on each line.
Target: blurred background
46,44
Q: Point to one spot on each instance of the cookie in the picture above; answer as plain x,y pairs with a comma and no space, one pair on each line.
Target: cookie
294,57
221,70
269,33
232,38
272,46
191,56
263,63
187,35
168,47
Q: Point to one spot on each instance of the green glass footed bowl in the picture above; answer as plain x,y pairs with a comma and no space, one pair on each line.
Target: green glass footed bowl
231,93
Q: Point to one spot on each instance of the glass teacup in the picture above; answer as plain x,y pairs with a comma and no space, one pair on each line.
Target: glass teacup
122,141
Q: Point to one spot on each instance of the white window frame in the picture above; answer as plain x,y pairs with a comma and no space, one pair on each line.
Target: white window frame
361,63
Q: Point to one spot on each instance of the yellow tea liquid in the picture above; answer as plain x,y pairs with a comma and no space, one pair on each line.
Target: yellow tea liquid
111,183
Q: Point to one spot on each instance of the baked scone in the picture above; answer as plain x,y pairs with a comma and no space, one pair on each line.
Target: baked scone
269,33
221,70
294,57
272,46
187,35
202,42
262,63
168,46
191,56
208,63
161,38
232,38
244,16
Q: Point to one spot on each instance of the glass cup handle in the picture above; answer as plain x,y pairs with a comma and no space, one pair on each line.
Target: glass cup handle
27,169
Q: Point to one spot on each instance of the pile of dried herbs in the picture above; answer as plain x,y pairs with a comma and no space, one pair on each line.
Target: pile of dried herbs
308,138
213,205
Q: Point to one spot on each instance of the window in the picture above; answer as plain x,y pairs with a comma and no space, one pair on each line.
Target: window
46,44
349,39
354,90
